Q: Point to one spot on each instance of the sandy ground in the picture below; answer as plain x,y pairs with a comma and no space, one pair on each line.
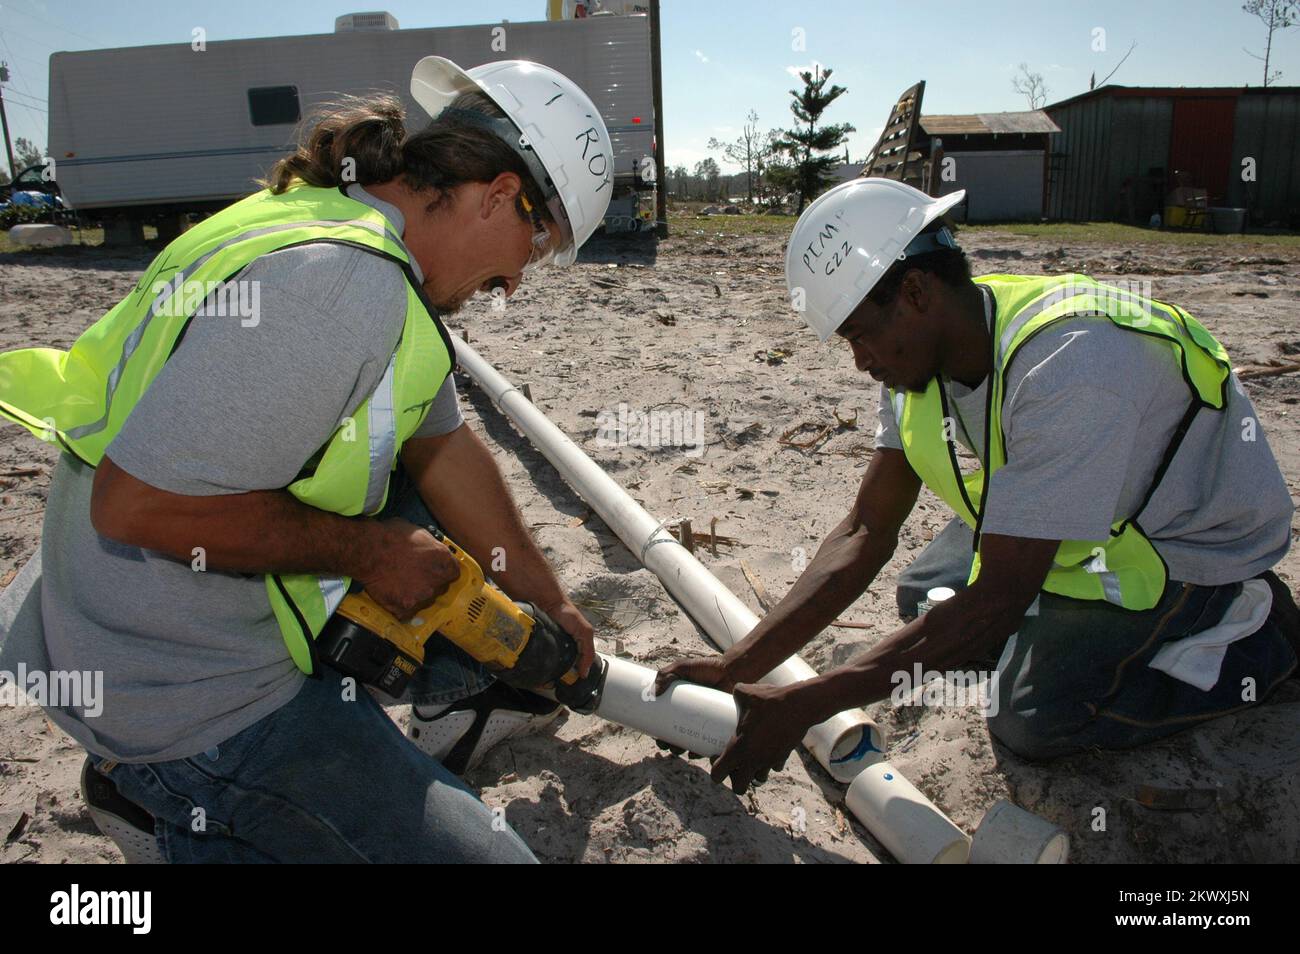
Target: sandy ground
700,325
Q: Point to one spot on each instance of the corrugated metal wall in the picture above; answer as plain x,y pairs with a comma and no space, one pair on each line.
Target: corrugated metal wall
1267,130
1201,142
1107,139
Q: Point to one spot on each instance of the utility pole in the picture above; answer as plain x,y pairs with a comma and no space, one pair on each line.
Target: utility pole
4,122
657,89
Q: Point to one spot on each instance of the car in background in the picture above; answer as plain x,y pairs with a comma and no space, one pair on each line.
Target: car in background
31,179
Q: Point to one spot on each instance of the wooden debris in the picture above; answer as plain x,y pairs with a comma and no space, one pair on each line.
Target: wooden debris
862,449
1270,370
24,472
760,591
788,440
689,538
1176,799
12,824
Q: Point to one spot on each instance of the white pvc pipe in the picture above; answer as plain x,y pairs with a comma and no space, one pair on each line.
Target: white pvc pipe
697,718
904,820
843,744
1009,835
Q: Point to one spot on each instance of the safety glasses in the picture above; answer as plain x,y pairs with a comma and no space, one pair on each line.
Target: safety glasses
546,244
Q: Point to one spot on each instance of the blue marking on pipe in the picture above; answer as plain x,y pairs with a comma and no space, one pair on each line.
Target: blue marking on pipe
864,746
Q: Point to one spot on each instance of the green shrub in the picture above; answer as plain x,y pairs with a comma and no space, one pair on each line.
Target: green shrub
19,214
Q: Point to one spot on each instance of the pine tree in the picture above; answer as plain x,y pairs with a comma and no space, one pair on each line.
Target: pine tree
808,144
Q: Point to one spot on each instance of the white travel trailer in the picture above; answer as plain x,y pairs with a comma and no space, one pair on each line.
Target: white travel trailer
144,133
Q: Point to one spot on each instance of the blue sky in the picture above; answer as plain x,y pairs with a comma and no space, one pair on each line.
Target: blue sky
722,59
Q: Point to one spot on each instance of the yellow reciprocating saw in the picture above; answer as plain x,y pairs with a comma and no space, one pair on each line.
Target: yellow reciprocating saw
519,643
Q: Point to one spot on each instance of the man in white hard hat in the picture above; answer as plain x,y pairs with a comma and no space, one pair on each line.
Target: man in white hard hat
1112,550
222,481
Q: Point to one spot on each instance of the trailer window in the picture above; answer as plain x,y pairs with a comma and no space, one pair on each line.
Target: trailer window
273,105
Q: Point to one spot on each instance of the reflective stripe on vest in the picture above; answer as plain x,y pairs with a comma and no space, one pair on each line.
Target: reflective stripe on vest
1125,569
81,398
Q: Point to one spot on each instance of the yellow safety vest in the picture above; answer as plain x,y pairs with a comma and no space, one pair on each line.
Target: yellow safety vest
80,398
1124,569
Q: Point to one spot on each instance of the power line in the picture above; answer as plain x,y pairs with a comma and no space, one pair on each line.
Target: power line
35,109
14,92
49,23
21,79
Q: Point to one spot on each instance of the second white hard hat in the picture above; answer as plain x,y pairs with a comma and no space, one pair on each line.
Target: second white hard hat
558,133
847,239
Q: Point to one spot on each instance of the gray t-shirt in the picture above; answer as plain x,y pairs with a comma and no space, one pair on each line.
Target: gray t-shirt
190,658
1090,409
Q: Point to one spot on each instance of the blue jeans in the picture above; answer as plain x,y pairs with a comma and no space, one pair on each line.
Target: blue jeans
325,778
328,777
1076,677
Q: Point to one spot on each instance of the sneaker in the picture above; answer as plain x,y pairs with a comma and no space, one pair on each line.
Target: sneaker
129,825
459,735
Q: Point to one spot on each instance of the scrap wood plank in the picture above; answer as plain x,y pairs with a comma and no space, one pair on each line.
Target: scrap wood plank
1271,370
760,591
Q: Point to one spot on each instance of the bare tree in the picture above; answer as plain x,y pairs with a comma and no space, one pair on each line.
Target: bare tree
1092,83
746,151
775,171
1031,86
1276,15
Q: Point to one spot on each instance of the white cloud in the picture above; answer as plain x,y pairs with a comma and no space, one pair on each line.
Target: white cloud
796,70
701,57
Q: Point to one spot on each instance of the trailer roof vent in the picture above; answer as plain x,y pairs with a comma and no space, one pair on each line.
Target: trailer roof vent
365,22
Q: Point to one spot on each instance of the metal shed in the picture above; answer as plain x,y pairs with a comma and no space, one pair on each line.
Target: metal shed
1120,147
1000,159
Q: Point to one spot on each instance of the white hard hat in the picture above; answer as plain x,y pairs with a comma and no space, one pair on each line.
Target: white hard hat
557,131
847,239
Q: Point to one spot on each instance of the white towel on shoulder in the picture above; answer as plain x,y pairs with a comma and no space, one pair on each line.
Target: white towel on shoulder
1197,659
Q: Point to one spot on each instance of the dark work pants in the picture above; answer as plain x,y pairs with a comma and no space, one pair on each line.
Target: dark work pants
1075,675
